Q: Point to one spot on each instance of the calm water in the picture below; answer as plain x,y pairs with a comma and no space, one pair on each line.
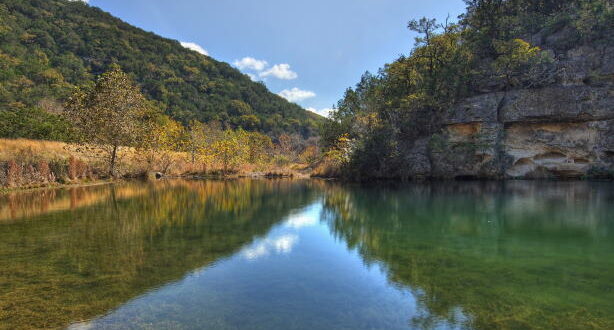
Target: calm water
309,255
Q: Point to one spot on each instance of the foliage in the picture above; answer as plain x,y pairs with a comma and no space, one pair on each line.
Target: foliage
230,150
490,21
49,46
34,123
259,147
520,62
166,138
111,115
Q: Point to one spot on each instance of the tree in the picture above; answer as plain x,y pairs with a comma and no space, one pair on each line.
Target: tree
163,141
196,139
425,26
259,147
200,139
111,115
520,63
230,150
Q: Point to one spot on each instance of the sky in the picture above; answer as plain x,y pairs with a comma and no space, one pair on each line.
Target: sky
307,51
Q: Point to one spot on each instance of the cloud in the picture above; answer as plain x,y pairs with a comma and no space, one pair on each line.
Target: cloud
251,64
322,112
280,71
301,220
195,47
252,76
261,67
296,95
86,1
280,245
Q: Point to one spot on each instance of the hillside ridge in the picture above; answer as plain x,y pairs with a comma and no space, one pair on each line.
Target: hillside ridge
50,46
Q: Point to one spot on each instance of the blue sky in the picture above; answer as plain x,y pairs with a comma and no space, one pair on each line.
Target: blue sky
307,51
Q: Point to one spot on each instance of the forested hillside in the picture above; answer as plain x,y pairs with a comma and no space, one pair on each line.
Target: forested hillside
47,47
455,104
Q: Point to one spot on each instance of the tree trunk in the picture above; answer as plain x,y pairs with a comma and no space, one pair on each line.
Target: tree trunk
113,161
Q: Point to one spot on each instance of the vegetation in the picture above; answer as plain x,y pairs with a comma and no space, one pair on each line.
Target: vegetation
34,163
47,47
113,114
116,132
491,48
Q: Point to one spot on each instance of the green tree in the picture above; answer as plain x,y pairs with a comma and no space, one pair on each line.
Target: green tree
111,115
519,63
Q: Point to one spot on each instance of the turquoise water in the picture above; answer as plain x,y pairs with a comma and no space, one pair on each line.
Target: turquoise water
309,255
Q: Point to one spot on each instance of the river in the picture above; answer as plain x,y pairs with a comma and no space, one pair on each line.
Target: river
309,254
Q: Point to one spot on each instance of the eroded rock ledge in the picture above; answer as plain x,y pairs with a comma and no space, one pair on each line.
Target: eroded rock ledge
561,131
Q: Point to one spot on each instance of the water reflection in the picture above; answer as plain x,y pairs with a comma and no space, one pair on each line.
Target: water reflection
63,266
309,255
511,255
279,245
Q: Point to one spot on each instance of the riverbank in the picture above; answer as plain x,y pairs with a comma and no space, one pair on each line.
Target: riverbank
33,164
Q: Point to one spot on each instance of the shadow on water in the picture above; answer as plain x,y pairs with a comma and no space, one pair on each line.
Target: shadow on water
71,255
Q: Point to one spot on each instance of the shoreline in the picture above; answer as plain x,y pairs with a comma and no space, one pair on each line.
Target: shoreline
256,176
9,190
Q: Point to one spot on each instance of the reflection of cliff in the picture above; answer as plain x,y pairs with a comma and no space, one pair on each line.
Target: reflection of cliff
509,255
74,265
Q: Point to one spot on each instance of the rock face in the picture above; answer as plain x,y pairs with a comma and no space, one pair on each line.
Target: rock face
565,130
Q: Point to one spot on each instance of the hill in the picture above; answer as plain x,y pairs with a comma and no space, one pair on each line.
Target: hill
47,47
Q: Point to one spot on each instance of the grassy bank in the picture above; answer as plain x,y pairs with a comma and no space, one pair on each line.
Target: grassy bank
26,164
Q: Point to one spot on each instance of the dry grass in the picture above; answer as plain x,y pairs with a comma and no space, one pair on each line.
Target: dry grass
326,169
34,163
43,149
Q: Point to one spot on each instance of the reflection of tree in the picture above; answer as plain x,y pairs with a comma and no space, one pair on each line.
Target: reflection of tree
73,265
515,255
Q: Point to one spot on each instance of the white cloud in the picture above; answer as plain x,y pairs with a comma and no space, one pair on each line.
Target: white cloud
195,47
284,244
86,1
250,63
296,95
252,76
256,252
301,220
280,245
322,112
280,71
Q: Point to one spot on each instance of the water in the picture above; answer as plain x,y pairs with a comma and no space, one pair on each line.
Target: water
309,255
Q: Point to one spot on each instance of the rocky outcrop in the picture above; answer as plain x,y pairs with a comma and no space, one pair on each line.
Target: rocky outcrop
565,130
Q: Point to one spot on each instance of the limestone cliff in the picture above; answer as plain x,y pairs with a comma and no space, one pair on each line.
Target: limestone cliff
563,130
